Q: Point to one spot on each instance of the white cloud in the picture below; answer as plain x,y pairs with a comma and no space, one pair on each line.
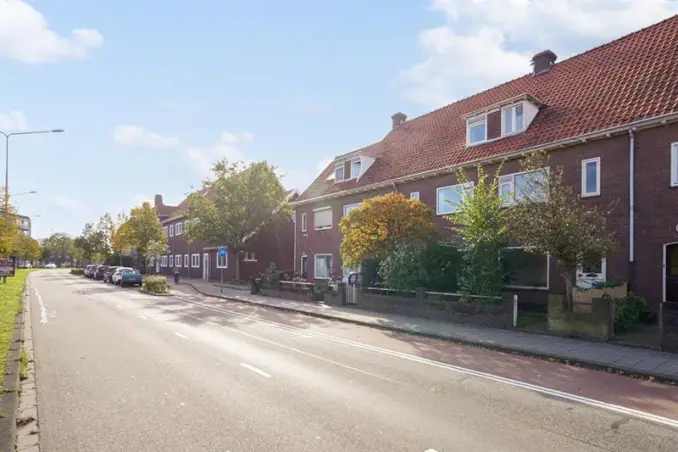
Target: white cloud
138,137
65,204
229,147
486,42
14,121
26,36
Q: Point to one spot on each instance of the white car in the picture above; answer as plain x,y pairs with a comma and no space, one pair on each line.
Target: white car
117,276
50,265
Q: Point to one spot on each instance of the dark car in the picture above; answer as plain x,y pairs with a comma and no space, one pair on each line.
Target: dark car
130,278
108,273
99,272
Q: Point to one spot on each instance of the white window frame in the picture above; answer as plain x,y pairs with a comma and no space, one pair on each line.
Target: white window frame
171,261
163,261
323,228
351,207
186,261
165,231
512,109
584,180
463,188
343,171
222,261
414,195
178,228
510,179
178,261
171,230
195,260
315,266
250,256
674,164
304,222
548,272
360,167
473,122
585,282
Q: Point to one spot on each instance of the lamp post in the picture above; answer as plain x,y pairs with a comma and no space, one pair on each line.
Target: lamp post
32,192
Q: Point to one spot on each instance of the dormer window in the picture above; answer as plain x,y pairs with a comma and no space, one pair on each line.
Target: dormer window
477,130
355,169
339,173
512,119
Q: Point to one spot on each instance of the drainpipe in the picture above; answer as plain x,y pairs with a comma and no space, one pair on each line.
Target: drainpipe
632,197
294,256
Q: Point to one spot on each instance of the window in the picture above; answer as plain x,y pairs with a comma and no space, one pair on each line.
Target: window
164,230
521,186
355,169
448,198
322,218
163,261
195,260
304,266
339,173
178,261
414,195
593,270
178,229
250,257
323,266
304,222
477,130
512,119
525,268
171,230
349,207
590,177
171,261
186,260
674,165
222,261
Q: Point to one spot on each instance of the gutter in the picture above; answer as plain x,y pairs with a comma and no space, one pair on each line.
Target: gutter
604,133
632,193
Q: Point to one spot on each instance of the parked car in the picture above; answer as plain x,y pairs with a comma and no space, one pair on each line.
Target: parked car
87,273
130,277
51,265
109,272
99,272
116,275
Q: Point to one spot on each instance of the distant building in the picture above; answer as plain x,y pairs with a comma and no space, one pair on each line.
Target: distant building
24,224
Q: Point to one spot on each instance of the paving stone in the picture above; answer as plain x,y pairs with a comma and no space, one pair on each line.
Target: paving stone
35,448
26,441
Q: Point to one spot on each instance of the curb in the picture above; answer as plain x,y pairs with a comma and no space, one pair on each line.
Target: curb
10,400
28,433
621,370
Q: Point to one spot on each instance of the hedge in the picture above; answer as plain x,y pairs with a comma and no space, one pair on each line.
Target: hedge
77,271
155,285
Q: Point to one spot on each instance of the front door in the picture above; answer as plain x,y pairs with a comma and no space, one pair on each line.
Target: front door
205,266
671,272
304,267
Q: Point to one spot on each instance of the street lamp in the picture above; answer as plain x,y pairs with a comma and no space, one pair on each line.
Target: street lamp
32,192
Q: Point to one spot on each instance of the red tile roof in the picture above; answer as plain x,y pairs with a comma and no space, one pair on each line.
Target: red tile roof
632,78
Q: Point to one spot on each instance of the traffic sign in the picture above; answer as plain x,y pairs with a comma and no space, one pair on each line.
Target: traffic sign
221,251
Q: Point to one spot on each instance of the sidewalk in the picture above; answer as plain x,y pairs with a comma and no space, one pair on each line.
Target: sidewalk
650,363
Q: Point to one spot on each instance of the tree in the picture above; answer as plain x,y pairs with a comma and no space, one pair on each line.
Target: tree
92,243
8,227
549,218
122,238
242,200
106,228
374,229
480,222
26,248
57,247
142,229
155,250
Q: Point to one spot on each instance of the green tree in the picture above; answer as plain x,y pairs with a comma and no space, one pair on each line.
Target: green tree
57,247
106,229
143,229
8,226
155,251
480,222
92,243
548,217
242,199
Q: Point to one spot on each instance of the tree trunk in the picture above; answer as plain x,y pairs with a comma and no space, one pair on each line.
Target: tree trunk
237,266
569,289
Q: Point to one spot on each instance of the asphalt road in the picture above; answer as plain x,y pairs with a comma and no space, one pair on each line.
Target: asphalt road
121,371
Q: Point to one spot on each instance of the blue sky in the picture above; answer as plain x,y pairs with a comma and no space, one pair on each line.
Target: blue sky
151,93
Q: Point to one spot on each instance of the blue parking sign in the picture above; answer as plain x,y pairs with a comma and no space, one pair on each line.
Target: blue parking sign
221,251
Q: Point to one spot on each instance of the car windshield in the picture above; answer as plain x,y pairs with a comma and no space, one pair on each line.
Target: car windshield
129,270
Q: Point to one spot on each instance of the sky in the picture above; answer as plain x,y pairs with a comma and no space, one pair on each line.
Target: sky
151,93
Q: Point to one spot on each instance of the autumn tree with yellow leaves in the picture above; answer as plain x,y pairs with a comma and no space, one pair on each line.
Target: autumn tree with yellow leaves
374,229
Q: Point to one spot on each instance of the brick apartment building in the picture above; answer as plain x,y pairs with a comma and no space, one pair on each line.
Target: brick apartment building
273,242
608,116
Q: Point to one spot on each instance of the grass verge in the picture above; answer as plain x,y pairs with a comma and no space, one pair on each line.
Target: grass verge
10,305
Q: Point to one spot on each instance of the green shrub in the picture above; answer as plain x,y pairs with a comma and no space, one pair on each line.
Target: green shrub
434,267
155,285
369,270
77,271
271,275
630,311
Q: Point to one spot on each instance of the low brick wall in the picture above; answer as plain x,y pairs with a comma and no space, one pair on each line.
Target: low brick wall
598,324
495,313
296,292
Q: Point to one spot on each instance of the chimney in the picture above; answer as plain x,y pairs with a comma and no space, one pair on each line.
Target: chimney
398,119
543,61
158,201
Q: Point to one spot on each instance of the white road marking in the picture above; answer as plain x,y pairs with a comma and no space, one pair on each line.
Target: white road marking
431,450
484,375
181,335
118,306
43,309
142,317
255,370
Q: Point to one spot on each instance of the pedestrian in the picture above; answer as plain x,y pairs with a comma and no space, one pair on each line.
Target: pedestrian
176,275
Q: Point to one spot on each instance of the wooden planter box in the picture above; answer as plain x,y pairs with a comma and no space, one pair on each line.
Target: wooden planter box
582,299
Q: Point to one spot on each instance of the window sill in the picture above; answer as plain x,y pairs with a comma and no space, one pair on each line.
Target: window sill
323,228
249,260
590,195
